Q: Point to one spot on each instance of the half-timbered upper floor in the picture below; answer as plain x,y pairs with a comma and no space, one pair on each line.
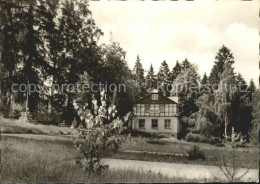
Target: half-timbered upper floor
155,104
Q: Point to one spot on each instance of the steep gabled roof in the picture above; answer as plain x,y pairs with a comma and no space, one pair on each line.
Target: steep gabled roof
161,100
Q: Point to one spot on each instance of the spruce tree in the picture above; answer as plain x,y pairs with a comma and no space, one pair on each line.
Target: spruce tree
138,74
224,55
185,64
240,81
150,80
204,80
204,84
9,56
176,70
50,34
164,78
138,70
251,89
33,63
254,132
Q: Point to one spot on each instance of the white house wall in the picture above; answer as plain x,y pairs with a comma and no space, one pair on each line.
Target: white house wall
175,125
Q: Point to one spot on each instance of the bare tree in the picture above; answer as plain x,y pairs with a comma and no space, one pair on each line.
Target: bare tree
230,160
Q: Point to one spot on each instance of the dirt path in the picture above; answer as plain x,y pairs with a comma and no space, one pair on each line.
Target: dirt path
178,170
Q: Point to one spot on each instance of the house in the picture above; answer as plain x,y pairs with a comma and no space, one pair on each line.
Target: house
157,114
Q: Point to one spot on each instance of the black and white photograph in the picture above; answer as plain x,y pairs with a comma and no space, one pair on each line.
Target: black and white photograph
111,91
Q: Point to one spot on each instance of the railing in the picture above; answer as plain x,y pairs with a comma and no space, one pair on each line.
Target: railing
45,118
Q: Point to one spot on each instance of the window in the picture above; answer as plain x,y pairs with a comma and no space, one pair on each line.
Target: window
161,107
138,108
167,123
167,108
141,123
171,108
147,107
154,107
142,108
174,108
154,96
154,123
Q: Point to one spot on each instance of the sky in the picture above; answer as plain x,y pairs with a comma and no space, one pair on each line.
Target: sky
175,30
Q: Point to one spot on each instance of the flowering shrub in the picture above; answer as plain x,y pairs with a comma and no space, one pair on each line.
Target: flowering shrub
102,133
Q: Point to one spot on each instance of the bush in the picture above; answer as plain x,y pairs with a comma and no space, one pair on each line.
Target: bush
215,140
240,145
194,138
137,133
195,153
254,137
204,139
199,138
14,113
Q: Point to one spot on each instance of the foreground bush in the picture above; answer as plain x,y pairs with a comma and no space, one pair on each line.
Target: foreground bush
102,132
195,153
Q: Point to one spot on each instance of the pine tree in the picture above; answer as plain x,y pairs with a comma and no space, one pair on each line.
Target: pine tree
254,132
33,63
50,34
204,80
138,70
224,55
204,84
240,81
138,74
176,70
185,64
164,78
251,89
150,80
9,53
252,86
241,106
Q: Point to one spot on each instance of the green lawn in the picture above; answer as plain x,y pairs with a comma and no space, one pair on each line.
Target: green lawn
52,160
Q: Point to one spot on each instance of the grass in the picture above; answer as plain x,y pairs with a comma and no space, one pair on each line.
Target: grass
35,161
16,126
144,145
212,155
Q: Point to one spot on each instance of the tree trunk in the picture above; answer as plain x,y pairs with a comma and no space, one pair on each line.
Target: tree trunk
226,127
114,96
27,99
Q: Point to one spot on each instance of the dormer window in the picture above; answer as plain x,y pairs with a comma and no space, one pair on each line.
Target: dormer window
154,96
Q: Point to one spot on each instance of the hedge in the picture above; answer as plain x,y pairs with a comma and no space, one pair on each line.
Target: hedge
199,138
